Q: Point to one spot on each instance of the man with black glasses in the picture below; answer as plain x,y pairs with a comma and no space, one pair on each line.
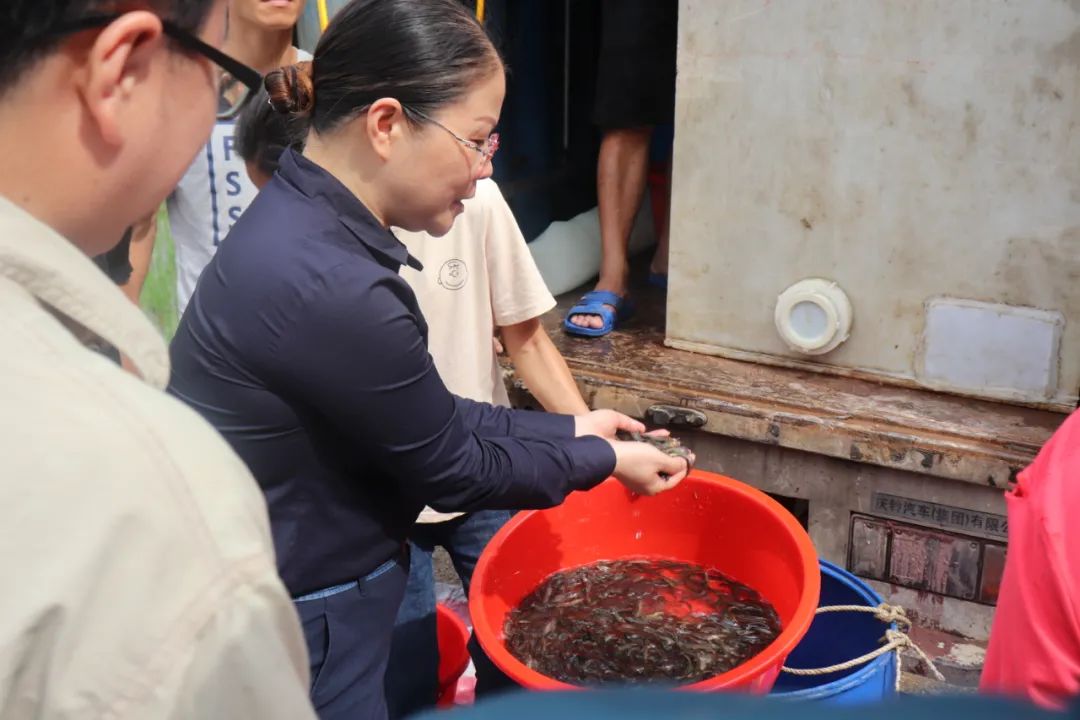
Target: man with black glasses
140,576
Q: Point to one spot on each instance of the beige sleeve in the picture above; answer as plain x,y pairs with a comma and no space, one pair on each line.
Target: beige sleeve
518,292
251,661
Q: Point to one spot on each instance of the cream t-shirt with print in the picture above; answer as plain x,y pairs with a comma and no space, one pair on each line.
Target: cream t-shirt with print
478,277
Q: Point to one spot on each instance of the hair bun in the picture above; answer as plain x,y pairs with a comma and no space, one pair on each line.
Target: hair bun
291,89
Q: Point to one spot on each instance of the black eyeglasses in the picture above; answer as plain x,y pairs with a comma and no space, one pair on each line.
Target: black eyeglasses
238,82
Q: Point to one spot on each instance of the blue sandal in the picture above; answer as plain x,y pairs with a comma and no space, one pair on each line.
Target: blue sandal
595,302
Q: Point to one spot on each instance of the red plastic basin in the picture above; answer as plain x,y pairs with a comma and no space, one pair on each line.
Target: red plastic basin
453,653
709,519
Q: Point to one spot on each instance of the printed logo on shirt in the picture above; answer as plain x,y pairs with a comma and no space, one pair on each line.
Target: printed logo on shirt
453,274
231,191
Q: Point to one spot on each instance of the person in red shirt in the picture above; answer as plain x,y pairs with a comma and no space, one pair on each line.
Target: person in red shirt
1035,641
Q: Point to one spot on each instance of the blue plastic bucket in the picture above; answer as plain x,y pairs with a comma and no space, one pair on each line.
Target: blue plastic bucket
837,637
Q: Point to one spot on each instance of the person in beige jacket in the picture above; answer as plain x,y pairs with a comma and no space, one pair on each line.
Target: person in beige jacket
139,571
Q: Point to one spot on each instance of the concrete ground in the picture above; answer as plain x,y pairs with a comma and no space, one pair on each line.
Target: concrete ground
444,569
912,684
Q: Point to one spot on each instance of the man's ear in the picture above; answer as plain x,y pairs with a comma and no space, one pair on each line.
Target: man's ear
384,123
119,59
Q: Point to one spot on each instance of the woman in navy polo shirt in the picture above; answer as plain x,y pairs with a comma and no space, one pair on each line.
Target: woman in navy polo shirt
305,348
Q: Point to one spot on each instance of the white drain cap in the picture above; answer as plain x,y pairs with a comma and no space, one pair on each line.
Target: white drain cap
813,316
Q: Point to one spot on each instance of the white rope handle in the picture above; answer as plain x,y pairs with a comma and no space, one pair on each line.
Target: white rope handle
894,640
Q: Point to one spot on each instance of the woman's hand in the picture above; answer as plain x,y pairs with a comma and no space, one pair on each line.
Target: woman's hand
647,471
605,423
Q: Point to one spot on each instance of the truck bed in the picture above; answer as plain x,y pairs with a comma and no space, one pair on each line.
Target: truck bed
917,430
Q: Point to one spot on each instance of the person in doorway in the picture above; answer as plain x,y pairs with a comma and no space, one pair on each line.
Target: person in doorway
307,350
141,575
1034,649
216,190
479,279
635,92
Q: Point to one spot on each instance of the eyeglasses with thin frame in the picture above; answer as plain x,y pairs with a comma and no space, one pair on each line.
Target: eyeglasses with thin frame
238,83
487,150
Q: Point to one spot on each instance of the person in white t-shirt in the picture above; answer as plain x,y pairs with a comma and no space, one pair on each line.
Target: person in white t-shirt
477,280
216,188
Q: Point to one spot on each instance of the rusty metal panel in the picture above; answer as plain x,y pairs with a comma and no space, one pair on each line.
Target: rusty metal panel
868,549
935,562
993,567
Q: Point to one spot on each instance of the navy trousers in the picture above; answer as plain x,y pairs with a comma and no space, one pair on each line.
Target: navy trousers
412,678
348,630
